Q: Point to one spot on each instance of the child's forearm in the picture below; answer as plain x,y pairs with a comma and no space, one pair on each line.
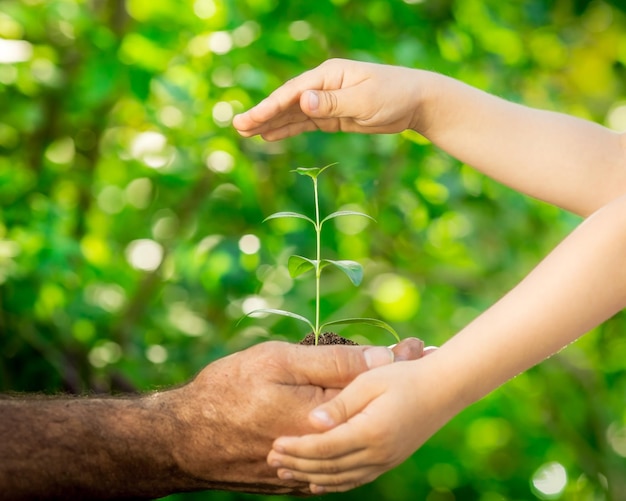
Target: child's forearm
578,286
570,162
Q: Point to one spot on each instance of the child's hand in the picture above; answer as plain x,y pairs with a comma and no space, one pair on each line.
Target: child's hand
374,424
339,94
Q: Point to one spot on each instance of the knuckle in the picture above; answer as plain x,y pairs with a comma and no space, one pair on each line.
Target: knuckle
330,467
338,61
332,103
324,450
335,481
348,362
340,410
270,350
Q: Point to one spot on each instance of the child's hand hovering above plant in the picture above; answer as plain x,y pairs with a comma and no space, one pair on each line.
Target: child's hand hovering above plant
337,95
575,164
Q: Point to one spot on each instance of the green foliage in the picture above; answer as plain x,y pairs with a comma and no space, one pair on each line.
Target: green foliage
130,235
298,265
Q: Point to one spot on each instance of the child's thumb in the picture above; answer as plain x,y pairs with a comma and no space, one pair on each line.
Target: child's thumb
322,104
338,410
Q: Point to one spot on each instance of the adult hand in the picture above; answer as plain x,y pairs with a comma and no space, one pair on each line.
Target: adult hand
213,433
236,407
339,94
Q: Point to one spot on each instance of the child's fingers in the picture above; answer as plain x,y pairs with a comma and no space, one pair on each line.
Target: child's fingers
322,484
332,482
338,442
276,133
248,126
345,462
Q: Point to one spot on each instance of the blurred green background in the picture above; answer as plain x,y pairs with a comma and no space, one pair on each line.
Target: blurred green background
131,239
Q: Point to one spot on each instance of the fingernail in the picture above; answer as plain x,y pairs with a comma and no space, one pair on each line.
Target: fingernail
377,356
274,460
314,100
430,349
285,475
317,489
322,417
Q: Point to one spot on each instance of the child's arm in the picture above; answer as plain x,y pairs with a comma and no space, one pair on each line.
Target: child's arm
386,414
573,163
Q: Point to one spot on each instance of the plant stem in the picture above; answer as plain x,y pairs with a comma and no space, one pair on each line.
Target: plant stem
318,267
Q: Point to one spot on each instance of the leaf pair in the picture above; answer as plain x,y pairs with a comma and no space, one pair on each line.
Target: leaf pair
298,265
344,321
297,215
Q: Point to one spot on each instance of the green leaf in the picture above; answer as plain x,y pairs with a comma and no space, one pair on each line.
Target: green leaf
340,213
370,321
283,313
298,265
278,215
312,172
352,269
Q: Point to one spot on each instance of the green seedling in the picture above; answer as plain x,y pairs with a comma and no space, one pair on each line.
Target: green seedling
299,265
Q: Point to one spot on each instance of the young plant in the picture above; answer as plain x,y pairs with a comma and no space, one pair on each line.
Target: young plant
298,265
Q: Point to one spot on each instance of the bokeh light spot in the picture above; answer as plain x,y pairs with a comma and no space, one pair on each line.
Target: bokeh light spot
144,254
300,30
247,33
187,321
220,42
104,354
253,303
61,151
95,249
249,244
171,116
220,161
139,192
550,480
109,297
111,199
396,298
223,113
204,9
156,353
15,51
150,148
616,118
616,436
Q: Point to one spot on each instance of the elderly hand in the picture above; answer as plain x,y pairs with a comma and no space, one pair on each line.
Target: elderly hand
237,406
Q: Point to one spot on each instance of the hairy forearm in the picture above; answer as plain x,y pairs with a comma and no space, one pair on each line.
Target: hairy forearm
578,286
89,448
211,433
567,161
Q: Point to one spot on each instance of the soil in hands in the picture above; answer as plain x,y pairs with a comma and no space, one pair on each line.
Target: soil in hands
326,338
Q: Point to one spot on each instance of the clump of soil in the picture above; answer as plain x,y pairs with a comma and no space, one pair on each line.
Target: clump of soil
326,338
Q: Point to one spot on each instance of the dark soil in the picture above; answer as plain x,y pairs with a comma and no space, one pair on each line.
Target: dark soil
326,338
